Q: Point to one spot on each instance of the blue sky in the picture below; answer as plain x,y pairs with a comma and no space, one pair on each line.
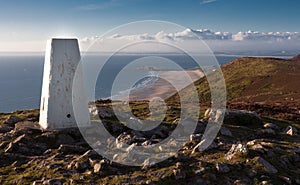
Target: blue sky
35,21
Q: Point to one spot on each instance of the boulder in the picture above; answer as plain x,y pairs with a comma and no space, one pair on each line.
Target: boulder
225,132
242,117
12,120
265,165
64,138
27,127
5,128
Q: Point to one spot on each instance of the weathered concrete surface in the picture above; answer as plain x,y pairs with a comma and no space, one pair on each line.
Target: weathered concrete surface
56,110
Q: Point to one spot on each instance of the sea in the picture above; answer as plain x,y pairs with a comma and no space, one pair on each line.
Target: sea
21,76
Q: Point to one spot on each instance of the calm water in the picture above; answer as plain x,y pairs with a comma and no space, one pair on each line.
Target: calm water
21,77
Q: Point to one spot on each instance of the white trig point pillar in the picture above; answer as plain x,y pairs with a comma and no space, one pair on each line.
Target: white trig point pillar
56,110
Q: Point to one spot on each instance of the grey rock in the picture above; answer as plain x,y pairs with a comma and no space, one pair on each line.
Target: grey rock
214,115
269,131
283,161
265,165
146,164
150,182
138,178
270,153
204,145
27,127
146,143
12,120
297,150
53,182
105,112
258,148
93,110
271,125
236,149
71,149
63,138
242,117
241,182
286,179
5,128
195,137
200,171
251,173
181,157
178,165
266,183
225,132
125,138
90,154
97,167
290,130
222,167
79,165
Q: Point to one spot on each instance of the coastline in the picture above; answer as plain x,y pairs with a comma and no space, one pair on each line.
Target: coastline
166,85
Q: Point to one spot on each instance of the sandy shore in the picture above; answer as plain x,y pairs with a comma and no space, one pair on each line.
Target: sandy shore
168,84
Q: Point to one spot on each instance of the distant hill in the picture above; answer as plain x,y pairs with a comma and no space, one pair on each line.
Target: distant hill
263,80
257,83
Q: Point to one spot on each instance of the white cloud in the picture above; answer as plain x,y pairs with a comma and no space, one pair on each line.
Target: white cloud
206,34
218,41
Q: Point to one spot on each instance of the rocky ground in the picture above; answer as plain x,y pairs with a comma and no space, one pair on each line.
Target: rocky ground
249,149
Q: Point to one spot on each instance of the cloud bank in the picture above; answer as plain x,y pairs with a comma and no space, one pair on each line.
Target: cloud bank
217,41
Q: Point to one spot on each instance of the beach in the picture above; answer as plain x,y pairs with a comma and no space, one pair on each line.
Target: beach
168,83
